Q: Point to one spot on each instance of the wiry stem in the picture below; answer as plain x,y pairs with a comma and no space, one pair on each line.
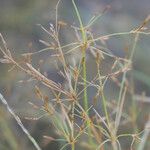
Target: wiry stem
20,123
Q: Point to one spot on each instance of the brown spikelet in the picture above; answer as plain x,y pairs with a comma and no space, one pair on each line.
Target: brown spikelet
62,23
49,83
27,57
38,92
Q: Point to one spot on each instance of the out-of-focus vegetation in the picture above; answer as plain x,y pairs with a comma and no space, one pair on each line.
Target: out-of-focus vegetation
19,25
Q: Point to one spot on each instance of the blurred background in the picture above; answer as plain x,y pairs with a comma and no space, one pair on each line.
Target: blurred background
18,25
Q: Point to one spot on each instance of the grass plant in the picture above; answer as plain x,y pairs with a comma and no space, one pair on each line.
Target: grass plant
69,110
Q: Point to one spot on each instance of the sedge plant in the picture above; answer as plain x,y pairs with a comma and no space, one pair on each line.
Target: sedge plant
69,109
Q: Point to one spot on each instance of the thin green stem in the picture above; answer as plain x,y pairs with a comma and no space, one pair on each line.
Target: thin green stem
119,99
134,109
80,21
85,85
73,146
83,48
117,34
84,38
72,134
105,108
